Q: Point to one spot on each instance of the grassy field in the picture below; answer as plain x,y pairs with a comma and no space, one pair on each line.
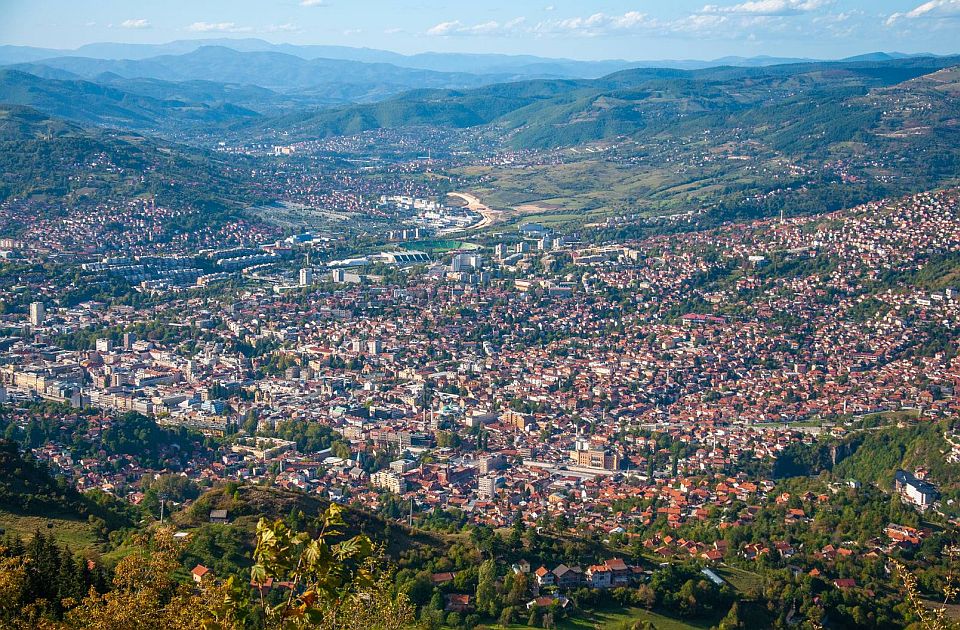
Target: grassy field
76,534
616,618
743,581
603,187
587,188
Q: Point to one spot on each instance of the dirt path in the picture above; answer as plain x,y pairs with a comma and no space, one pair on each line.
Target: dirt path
489,216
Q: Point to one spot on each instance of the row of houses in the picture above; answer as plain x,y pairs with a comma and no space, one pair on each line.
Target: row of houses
609,574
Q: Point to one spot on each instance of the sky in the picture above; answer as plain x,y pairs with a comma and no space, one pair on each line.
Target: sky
611,29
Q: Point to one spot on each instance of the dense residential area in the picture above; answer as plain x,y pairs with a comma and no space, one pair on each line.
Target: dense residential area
330,337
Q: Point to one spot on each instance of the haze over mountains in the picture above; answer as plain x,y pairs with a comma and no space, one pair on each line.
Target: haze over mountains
252,88
521,65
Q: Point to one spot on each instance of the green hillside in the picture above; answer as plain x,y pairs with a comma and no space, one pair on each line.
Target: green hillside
564,112
31,499
44,156
91,103
873,455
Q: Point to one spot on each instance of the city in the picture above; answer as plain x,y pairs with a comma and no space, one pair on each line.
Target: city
481,370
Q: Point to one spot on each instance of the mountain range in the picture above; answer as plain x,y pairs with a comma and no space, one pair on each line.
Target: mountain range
357,81
213,89
551,113
520,65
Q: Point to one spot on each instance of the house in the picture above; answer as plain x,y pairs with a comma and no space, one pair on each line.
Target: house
442,578
545,601
712,555
545,577
785,549
199,573
262,588
619,571
568,577
219,516
906,536
458,603
599,576
845,583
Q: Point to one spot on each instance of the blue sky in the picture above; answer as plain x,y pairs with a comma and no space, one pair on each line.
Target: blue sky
627,29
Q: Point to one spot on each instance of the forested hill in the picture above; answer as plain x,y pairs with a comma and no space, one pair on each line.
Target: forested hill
87,102
786,103
873,455
28,489
45,156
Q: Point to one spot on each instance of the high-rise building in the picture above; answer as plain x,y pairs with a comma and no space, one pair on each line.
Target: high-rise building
37,313
306,277
487,486
389,480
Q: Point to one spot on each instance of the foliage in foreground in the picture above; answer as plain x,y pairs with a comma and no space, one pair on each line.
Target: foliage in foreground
297,582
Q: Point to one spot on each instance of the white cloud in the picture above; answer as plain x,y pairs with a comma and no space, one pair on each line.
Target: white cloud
752,18
312,3
141,23
768,7
491,28
218,27
289,27
599,24
445,28
698,23
935,9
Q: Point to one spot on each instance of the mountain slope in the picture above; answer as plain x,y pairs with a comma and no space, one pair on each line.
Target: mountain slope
44,156
482,63
28,489
558,113
247,504
92,103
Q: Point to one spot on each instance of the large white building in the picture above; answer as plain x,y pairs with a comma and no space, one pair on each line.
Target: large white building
920,493
37,313
389,480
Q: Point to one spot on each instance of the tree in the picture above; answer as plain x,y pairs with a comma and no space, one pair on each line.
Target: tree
536,615
333,585
144,594
732,619
341,450
646,596
487,600
518,590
